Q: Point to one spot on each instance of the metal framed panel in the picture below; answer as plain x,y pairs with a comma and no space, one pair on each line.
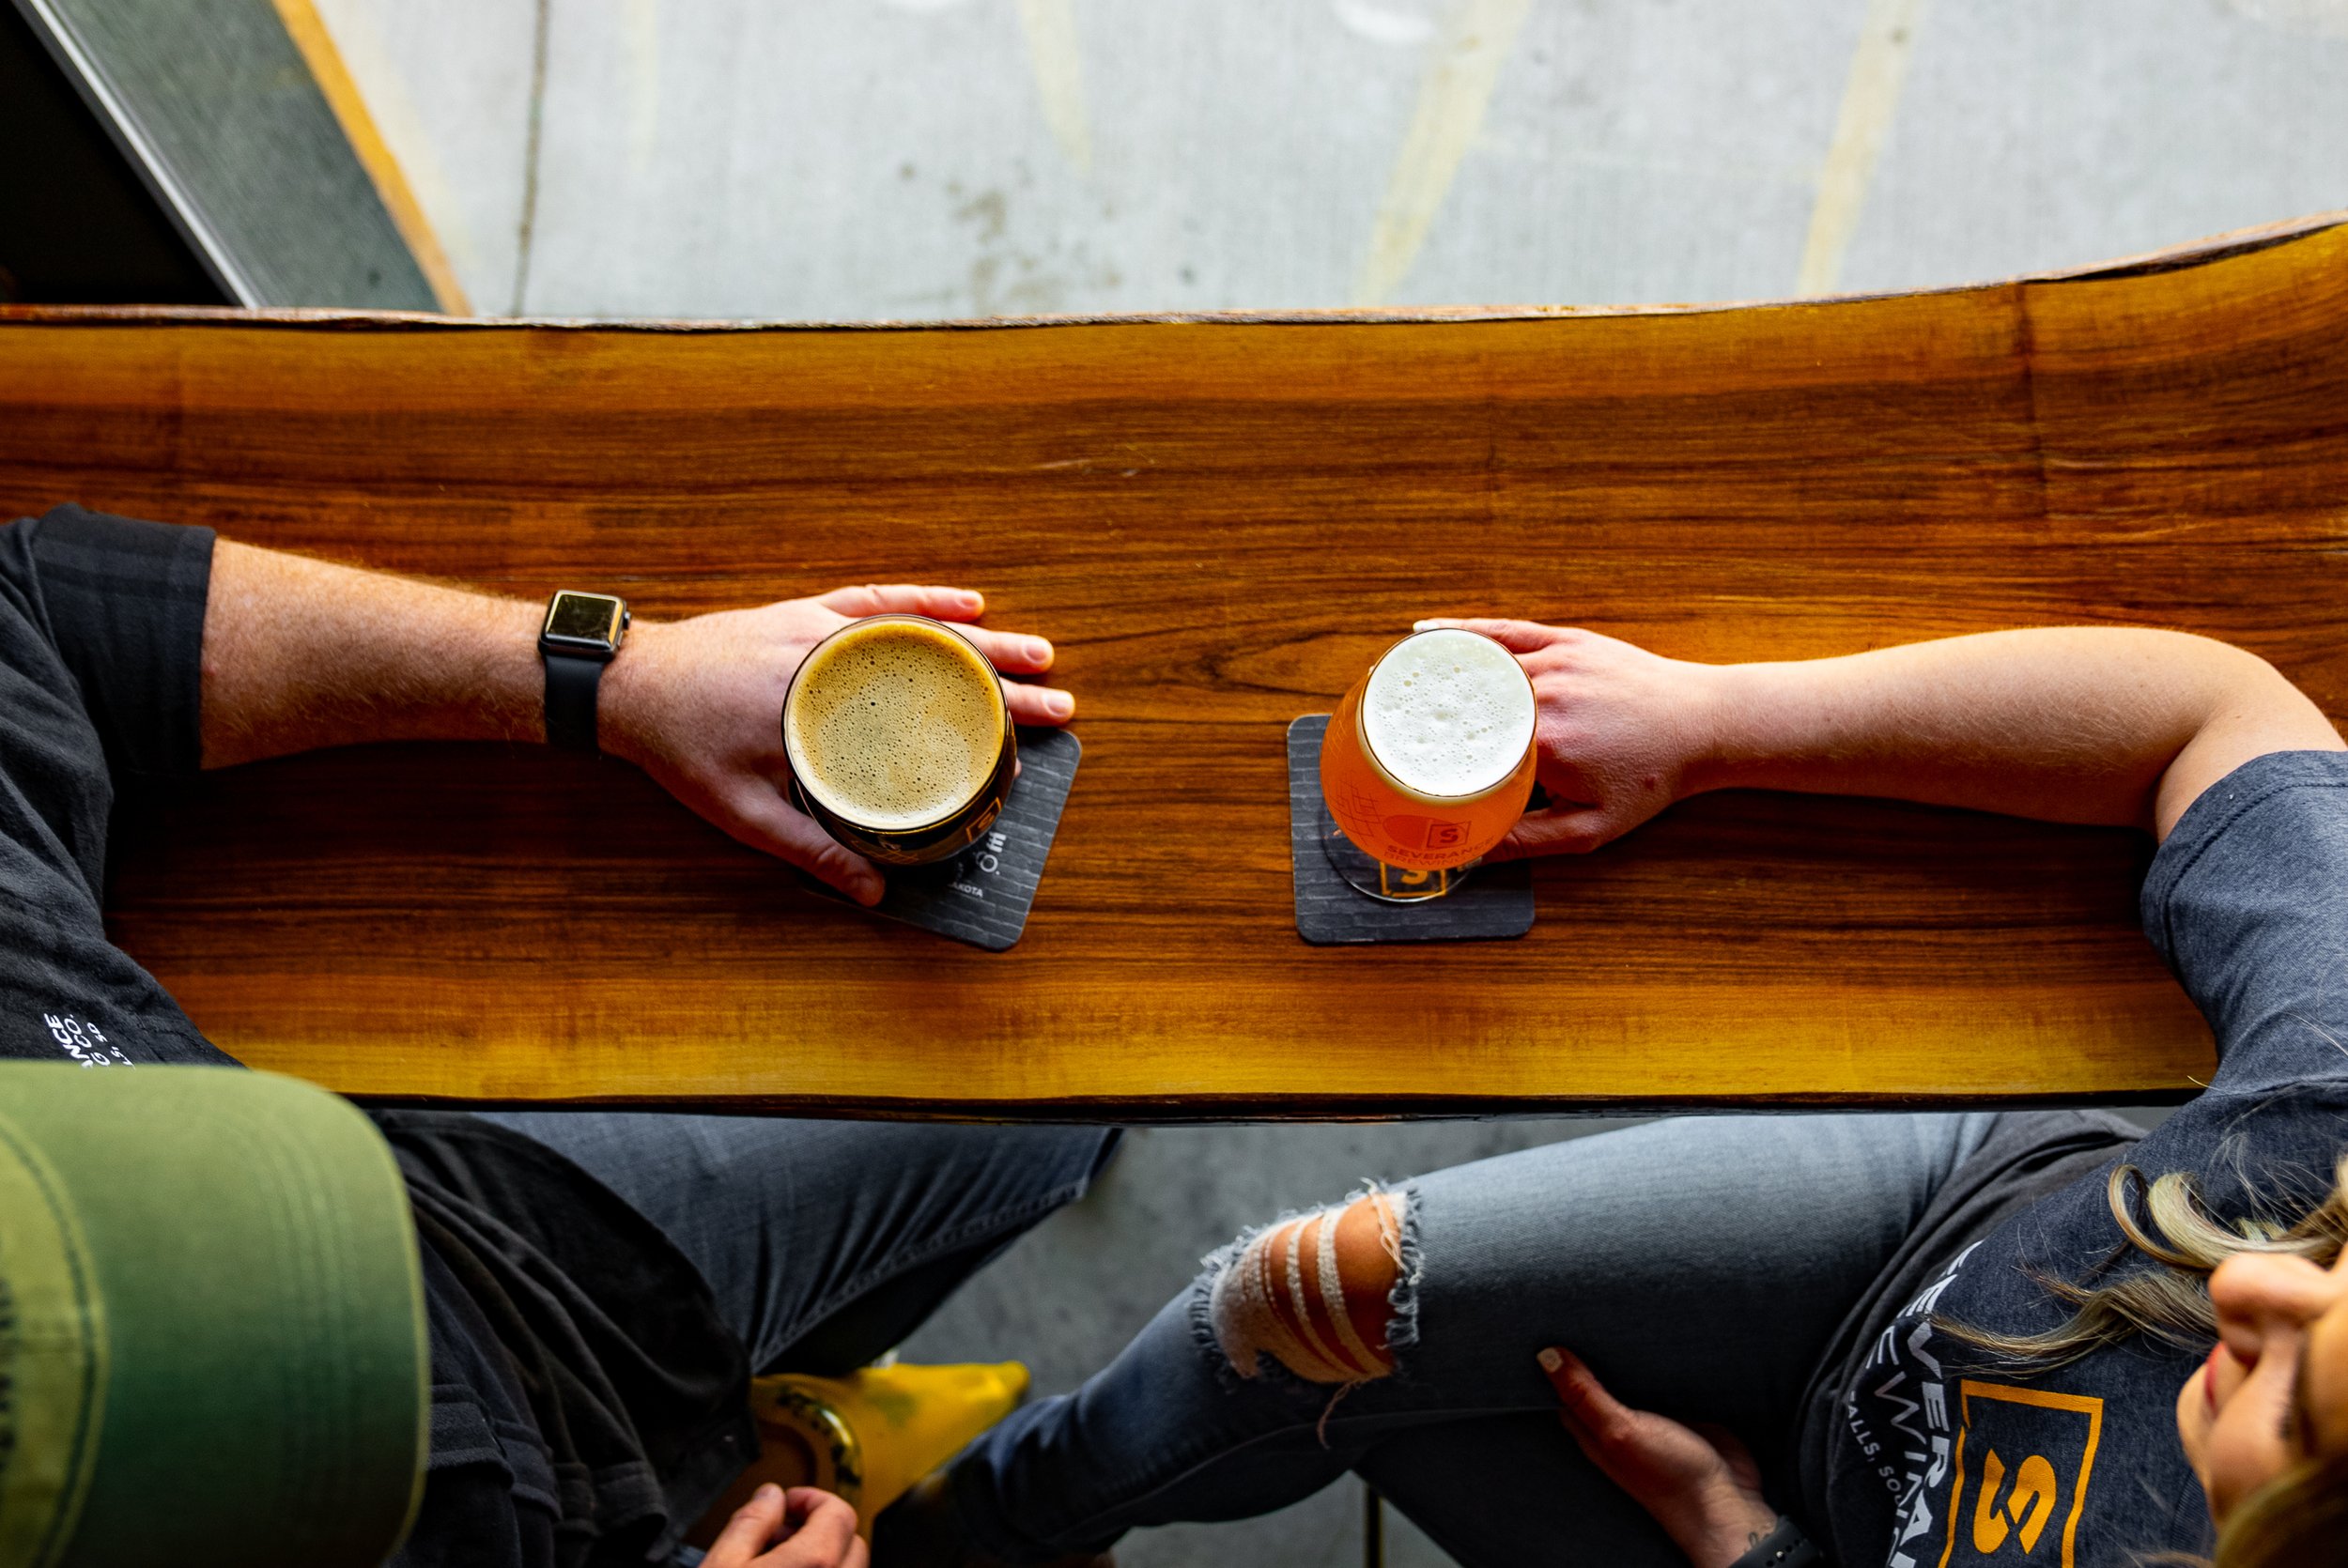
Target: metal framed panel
214,108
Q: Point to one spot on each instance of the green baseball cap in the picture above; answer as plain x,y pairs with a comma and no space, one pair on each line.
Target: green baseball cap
213,1344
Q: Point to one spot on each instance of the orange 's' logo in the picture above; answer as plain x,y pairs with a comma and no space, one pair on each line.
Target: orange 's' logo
1427,833
2026,1456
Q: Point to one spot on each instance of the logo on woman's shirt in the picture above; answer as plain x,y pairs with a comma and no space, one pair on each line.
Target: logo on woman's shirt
2023,1457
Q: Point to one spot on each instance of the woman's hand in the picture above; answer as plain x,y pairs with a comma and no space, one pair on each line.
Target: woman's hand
821,1534
2116,726
1617,729
697,705
1702,1486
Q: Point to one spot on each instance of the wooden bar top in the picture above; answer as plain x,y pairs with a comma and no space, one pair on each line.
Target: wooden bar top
1220,522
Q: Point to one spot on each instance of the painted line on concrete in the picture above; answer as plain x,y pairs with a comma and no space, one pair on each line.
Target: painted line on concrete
1050,27
1871,96
525,229
391,108
1453,96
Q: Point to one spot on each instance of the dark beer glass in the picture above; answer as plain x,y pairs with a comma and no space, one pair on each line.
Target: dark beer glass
900,741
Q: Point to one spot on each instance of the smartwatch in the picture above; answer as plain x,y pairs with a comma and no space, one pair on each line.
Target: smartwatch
581,634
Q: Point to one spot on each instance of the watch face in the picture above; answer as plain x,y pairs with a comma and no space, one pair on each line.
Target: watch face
585,617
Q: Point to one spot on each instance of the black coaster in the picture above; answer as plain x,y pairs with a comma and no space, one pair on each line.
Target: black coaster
983,894
1496,902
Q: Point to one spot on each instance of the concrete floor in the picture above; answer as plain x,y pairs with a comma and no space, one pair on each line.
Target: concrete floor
858,158
876,159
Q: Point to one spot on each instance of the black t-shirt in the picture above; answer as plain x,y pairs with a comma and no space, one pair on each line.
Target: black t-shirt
1920,1451
587,1401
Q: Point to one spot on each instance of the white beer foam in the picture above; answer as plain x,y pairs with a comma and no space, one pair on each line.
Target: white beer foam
1448,712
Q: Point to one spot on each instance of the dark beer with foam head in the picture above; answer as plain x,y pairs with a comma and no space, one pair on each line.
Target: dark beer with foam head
899,742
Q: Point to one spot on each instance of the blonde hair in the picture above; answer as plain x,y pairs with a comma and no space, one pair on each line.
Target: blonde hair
2300,1518
2170,1304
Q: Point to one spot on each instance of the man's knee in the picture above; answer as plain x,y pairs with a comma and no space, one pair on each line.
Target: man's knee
1314,1293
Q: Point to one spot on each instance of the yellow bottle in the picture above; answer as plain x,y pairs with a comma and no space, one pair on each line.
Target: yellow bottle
867,1436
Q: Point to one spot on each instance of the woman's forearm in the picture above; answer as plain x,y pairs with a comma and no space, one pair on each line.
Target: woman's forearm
2066,724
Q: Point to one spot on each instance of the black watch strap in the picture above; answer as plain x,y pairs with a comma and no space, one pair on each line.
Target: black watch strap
1784,1547
571,683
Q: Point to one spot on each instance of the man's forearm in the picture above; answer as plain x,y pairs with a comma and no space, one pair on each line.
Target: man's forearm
2069,724
299,654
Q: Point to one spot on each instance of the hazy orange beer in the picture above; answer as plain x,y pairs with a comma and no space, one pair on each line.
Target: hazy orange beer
1429,762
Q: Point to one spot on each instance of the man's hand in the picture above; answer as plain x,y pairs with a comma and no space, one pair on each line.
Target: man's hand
1616,727
820,1534
1702,1486
697,705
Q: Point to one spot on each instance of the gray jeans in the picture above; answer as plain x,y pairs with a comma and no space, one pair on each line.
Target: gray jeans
825,1242
1698,1265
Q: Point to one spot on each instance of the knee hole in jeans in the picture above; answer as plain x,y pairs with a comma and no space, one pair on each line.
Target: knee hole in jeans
1314,1293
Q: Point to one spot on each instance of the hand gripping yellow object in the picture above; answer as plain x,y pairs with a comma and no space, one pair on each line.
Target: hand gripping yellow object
867,1436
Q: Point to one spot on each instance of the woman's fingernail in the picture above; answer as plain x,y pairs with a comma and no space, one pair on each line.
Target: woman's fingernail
1551,1360
1425,625
1038,651
969,601
867,890
769,1492
1060,704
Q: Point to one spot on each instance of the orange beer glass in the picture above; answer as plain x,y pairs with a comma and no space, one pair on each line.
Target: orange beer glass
1427,763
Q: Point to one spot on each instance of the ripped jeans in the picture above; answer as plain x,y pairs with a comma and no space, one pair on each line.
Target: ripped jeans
1698,1265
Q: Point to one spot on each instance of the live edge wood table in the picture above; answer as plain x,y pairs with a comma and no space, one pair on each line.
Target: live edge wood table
1220,522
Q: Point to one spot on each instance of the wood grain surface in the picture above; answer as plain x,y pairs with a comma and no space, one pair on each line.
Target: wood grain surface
1220,522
